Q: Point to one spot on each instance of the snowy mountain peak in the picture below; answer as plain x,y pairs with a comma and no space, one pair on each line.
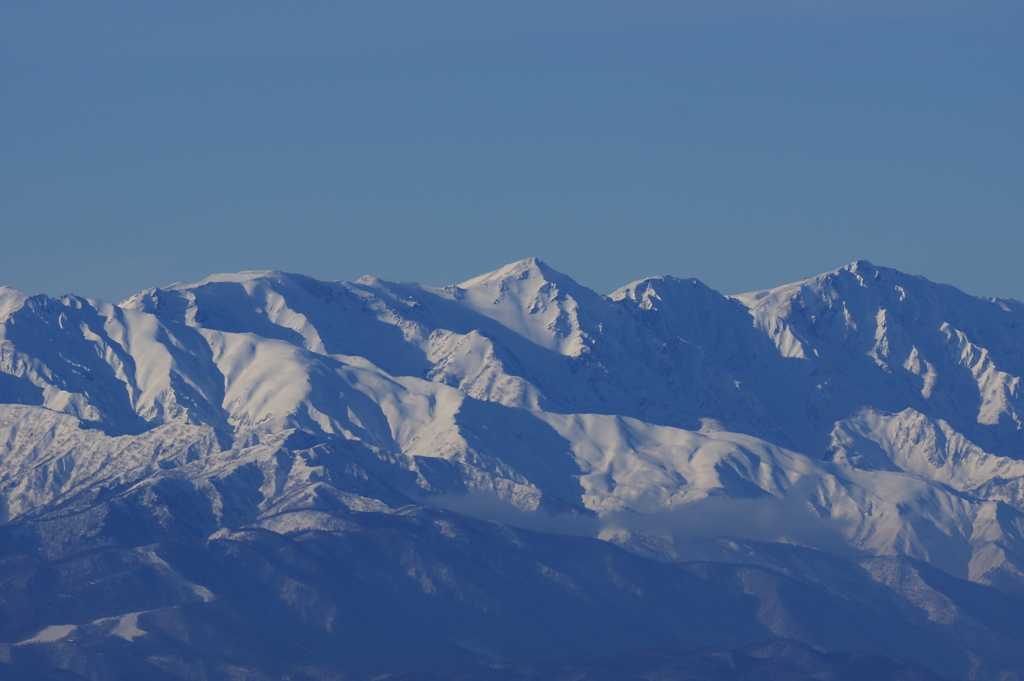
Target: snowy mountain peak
506,270
233,277
10,301
859,265
647,293
534,300
404,370
521,269
861,412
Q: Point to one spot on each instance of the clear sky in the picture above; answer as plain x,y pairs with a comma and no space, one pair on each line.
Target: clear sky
745,143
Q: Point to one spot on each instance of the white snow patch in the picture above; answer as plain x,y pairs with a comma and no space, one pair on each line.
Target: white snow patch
128,627
54,632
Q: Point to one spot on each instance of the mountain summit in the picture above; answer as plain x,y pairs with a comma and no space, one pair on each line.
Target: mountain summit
416,476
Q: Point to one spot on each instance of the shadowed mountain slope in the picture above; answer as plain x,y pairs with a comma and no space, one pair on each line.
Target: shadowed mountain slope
263,473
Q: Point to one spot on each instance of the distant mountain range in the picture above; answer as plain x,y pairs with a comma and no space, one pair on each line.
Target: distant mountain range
267,476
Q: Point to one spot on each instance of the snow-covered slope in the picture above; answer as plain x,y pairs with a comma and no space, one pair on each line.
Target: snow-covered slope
863,412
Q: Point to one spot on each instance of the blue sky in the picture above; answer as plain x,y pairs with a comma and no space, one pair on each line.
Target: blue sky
748,144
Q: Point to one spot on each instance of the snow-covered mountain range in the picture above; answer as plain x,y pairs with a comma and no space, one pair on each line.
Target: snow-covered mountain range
858,434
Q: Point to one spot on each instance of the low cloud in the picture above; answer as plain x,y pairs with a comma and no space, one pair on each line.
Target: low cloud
764,519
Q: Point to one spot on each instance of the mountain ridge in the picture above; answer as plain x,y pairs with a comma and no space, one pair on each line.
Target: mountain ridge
863,413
